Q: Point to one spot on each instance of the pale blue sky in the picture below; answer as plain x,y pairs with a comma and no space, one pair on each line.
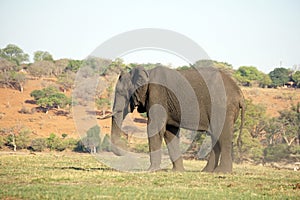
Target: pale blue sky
260,33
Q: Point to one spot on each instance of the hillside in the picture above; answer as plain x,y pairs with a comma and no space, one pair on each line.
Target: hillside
12,101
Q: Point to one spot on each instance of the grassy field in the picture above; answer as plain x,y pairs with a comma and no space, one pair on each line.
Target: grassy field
81,176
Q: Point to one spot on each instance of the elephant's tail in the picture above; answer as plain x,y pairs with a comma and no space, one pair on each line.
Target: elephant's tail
243,110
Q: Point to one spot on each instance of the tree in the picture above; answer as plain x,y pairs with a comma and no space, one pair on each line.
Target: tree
249,75
97,65
42,55
279,76
92,140
74,65
265,81
296,78
117,66
50,97
290,122
106,146
255,122
6,65
19,79
14,54
66,80
224,66
10,77
103,104
41,68
60,66
283,134
18,137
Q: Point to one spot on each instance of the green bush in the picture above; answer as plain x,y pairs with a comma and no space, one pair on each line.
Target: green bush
92,141
295,149
80,147
61,145
22,140
276,152
251,148
52,142
71,143
105,145
2,141
50,97
38,144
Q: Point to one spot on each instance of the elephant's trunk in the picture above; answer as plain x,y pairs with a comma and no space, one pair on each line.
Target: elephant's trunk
119,146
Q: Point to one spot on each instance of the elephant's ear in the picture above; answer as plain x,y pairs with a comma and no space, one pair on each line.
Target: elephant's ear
140,77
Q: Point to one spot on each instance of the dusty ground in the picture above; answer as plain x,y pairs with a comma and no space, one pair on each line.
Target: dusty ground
12,101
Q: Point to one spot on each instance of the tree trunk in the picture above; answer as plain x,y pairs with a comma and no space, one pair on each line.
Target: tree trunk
21,88
289,143
14,142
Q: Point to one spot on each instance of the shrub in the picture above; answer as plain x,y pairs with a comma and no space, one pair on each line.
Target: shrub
52,142
61,145
106,146
25,110
92,139
80,147
276,152
22,140
72,143
2,141
251,148
38,144
295,149
50,97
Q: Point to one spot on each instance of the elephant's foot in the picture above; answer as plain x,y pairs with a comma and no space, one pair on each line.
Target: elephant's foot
223,169
178,169
210,167
207,169
178,165
154,168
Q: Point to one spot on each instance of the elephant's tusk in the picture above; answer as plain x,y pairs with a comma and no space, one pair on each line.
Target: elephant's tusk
106,116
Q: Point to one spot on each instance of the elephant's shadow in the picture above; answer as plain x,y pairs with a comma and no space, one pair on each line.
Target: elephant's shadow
140,120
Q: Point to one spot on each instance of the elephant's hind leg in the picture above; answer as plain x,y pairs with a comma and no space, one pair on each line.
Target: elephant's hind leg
172,141
225,141
213,160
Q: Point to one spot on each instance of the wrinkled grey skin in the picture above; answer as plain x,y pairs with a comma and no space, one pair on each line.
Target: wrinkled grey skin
174,100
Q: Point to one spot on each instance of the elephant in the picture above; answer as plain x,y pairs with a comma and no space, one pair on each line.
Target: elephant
175,99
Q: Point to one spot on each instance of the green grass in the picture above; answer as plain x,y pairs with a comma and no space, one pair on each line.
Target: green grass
81,176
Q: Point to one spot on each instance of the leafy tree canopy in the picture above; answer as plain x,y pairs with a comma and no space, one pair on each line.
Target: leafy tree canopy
50,97
249,75
14,54
279,76
42,55
74,65
296,78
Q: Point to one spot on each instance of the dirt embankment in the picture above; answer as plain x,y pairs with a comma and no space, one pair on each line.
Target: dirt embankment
42,124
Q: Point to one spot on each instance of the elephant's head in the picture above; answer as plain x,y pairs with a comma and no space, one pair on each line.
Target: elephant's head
130,92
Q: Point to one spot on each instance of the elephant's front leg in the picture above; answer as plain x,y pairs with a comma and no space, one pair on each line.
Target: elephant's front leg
156,129
155,142
172,140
